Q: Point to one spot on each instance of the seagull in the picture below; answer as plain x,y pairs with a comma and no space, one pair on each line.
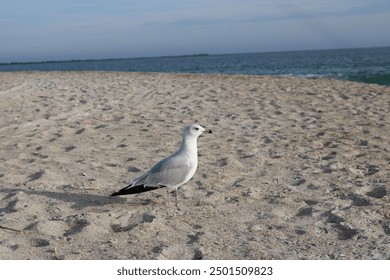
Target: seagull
173,171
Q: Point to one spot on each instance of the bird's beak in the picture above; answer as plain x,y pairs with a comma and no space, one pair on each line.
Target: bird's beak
206,131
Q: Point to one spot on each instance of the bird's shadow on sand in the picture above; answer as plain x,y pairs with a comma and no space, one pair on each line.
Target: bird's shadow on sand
79,200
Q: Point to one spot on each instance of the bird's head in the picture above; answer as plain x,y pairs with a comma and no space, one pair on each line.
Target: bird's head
195,130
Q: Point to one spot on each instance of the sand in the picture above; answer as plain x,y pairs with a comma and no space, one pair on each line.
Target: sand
295,168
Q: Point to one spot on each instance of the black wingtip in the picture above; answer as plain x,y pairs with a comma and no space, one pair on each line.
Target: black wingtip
135,189
124,191
115,194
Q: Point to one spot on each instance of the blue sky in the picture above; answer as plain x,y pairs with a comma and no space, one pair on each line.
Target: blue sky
36,30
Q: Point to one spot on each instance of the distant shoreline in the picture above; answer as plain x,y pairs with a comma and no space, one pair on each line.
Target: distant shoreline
102,59
367,65
185,55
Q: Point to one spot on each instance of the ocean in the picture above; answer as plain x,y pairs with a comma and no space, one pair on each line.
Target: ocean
368,65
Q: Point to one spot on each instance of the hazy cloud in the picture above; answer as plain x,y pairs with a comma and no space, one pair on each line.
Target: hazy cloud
57,29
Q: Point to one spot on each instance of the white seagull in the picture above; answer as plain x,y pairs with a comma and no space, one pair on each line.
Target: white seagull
173,171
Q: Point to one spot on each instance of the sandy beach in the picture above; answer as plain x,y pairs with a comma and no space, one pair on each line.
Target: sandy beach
295,168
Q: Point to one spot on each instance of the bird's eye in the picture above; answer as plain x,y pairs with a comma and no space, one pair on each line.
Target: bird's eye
196,128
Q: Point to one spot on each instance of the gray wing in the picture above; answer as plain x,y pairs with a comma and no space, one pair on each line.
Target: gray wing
170,171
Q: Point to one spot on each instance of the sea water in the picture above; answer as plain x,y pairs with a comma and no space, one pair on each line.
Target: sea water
369,65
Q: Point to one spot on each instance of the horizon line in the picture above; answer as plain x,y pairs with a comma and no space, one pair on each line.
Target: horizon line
177,56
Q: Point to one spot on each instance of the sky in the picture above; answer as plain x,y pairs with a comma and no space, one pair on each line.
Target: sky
41,30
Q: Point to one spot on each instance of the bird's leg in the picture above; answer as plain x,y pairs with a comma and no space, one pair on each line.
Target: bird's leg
177,205
168,196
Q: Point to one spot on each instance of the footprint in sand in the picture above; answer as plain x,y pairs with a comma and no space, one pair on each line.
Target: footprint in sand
36,175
